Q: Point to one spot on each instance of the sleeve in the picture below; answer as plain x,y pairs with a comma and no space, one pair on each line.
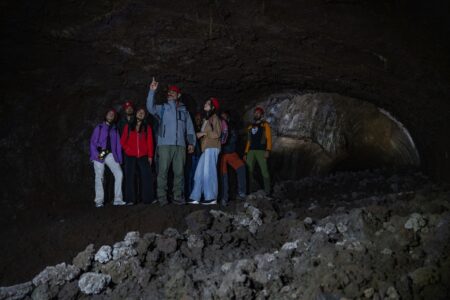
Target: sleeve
93,142
151,106
190,131
151,150
216,130
268,137
124,137
118,147
247,144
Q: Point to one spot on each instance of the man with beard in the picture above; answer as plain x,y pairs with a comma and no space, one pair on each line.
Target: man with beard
258,147
175,132
128,118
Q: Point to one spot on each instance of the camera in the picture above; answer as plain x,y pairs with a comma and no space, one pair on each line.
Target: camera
102,153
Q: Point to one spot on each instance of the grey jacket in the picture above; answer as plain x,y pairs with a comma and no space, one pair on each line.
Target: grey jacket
175,124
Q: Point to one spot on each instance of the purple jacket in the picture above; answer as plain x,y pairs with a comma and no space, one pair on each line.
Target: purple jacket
98,139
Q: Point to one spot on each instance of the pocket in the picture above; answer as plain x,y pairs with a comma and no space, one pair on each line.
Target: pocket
181,116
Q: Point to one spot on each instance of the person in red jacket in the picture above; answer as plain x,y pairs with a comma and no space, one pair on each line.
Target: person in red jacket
137,143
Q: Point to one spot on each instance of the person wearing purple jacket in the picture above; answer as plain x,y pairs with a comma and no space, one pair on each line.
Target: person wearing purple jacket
106,150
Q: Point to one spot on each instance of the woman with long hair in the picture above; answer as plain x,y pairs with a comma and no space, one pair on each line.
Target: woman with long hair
205,178
137,143
105,149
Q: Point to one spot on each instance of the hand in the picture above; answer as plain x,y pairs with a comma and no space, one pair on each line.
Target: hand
200,134
190,149
244,157
267,154
150,160
154,84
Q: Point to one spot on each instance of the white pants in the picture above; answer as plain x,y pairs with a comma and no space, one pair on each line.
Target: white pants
99,169
205,178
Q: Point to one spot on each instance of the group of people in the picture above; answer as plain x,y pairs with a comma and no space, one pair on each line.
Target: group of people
210,143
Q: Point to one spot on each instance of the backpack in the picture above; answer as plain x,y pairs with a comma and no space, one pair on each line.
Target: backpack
224,132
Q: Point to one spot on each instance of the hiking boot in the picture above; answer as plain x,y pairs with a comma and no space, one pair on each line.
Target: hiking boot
241,197
179,201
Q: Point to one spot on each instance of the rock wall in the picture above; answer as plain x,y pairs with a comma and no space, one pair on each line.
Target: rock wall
315,133
361,235
65,62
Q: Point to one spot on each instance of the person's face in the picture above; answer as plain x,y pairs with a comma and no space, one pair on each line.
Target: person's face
257,115
198,120
140,114
110,116
172,95
129,110
207,106
224,116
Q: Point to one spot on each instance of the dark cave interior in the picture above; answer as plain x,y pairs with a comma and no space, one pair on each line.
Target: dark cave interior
350,85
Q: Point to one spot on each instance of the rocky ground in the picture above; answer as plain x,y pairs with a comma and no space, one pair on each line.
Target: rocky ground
360,235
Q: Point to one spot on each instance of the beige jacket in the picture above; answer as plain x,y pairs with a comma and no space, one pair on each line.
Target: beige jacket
213,130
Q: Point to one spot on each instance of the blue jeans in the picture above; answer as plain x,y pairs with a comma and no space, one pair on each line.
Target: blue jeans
190,183
205,179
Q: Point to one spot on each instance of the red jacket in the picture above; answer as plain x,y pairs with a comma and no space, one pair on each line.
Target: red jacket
137,147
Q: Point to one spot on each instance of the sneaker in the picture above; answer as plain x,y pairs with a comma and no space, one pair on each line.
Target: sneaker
155,201
98,205
129,203
119,202
192,201
210,202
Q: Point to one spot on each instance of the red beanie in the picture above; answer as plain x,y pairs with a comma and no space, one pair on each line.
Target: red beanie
127,104
260,109
174,88
215,103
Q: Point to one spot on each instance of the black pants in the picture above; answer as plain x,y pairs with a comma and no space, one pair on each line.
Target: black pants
146,182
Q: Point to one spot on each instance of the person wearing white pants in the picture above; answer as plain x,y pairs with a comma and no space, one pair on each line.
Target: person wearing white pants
205,178
115,168
105,149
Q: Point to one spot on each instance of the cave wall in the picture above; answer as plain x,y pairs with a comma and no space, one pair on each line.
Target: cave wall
65,62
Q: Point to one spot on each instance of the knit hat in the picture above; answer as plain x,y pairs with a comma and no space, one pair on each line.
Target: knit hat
260,109
127,104
174,88
215,103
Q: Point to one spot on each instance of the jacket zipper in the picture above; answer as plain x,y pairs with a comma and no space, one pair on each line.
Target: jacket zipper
137,133
176,128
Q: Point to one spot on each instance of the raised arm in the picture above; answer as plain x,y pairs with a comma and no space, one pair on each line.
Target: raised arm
151,106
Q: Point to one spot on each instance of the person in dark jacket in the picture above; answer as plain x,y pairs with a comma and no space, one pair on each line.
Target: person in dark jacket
258,148
128,118
137,142
230,157
105,149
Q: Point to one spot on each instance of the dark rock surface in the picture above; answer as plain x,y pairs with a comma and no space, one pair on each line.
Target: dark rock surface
377,244
64,63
